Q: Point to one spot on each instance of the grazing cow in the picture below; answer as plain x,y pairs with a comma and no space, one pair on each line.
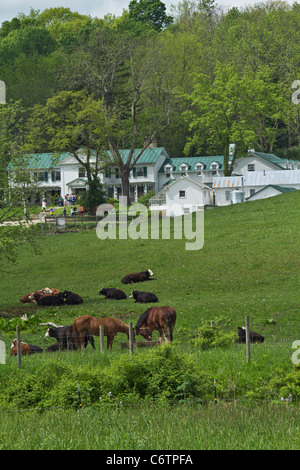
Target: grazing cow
88,325
143,297
64,337
137,277
51,300
157,318
35,349
25,348
116,294
71,298
254,337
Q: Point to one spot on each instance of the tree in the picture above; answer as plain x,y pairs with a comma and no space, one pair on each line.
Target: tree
121,71
14,191
233,109
73,122
152,12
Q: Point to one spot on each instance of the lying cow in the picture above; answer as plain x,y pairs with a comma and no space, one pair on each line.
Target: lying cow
116,294
25,348
51,300
71,298
137,277
34,349
254,337
143,297
30,298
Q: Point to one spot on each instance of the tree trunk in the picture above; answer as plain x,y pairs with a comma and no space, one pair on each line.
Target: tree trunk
125,184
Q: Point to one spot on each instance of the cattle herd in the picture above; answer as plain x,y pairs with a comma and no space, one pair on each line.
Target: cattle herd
71,337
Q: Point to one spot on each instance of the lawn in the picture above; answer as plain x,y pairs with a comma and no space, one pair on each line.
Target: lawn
249,265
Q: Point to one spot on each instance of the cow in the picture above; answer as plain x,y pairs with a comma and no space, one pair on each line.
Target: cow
51,300
53,348
116,294
25,348
254,337
137,277
143,297
71,298
34,349
29,298
64,337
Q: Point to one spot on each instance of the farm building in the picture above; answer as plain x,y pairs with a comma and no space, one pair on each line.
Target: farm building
182,196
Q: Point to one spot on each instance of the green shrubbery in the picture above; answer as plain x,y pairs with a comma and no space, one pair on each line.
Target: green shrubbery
162,374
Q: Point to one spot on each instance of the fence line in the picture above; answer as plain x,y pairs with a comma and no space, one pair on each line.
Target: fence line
132,343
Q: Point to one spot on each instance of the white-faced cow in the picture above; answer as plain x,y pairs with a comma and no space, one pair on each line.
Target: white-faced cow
137,277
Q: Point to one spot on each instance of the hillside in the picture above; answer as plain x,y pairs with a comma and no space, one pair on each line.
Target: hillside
249,265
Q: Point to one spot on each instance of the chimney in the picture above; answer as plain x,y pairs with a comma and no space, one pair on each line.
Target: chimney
152,144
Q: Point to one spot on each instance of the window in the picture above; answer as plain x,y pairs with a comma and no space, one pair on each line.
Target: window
139,171
108,172
183,170
182,194
227,195
55,175
81,172
214,168
252,191
186,210
199,169
41,176
168,170
251,167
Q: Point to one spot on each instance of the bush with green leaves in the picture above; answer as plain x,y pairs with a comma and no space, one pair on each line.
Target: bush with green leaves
160,374
208,336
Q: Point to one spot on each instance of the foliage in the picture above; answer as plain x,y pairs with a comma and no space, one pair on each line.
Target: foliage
152,12
94,196
207,336
10,324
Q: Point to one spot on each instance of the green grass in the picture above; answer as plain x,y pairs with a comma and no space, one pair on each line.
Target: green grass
249,265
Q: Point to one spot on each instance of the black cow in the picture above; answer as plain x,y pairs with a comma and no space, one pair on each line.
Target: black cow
254,337
71,298
64,337
51,300
137,277
35,349
143,297
53,348
116,294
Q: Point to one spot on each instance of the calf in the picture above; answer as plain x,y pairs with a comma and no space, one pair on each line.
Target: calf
137,277
143,297
71,298
51,300
254,337
116,294
25,348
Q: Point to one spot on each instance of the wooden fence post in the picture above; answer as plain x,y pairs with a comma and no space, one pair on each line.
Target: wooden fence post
101,336
19,346
247,339
130,339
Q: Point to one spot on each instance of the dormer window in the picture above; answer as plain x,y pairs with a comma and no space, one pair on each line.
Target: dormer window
214,168
183,169
199,169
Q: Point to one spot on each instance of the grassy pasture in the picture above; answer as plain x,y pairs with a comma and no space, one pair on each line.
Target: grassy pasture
249,265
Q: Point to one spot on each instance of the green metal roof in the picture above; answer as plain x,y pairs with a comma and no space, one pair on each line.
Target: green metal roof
150,155
192,161
42,161
270,157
